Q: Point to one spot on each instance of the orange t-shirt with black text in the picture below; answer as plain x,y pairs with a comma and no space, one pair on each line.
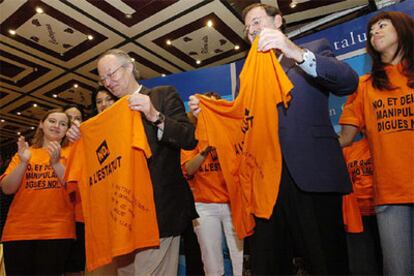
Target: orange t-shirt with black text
245,135
41,208
359,163
388,117
110,164
207,184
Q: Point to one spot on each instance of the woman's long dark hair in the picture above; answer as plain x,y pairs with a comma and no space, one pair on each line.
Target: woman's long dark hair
404,26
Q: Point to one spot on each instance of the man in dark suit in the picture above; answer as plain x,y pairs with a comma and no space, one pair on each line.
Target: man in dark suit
306,221
168,131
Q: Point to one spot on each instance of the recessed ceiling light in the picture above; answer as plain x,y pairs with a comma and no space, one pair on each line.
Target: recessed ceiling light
76,85
39,10
236,47
90,37
163,75
168,42
12,32
128,15
18,133
32,127
292,4
54,96
19,113
34,105
133,59
198,61
2,120
209,23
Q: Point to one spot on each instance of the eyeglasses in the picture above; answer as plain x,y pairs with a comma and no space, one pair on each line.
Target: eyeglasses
112,75
255,23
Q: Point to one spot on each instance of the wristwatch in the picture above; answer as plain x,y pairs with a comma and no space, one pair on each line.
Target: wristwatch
160,119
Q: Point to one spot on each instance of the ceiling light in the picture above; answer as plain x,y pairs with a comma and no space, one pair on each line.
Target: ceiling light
19,113
39,10
90,37
168,42
132,59
128,15
2,120
34,105
292,4
32,127
209,23
18,133
76,85
236,47
198,61
12,32
54,96
163,75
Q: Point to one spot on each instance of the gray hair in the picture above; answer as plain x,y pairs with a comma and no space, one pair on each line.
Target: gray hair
124,57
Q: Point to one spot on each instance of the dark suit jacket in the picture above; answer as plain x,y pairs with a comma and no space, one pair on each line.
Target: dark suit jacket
309,143
173,198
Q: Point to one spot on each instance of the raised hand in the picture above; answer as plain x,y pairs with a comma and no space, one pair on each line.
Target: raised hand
23,150
73,133
194,105
53,148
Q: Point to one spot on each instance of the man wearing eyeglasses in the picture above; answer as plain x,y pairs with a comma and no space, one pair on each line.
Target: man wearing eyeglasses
306,220
168,131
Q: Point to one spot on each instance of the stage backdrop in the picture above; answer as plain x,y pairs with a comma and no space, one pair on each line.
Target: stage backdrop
347,39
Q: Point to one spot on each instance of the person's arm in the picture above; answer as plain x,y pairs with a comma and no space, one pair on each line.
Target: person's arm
347,135
192,166
12,181
320,63
54,152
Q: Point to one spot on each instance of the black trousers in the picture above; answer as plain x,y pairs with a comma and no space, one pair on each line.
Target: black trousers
36,257
305,225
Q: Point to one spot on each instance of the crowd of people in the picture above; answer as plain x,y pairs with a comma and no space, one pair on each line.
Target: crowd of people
342,206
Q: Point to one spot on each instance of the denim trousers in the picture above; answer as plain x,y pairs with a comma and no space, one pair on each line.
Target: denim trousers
396,230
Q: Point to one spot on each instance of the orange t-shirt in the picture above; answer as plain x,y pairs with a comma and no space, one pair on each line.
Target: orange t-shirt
109,163
41,208
388,117
245,135
207,184
359,164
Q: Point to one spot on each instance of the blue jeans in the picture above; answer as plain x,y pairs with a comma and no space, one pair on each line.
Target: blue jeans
396,229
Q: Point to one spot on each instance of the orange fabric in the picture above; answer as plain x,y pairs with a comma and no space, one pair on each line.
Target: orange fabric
207,184
245,134
359,164
109,163
388,117
41,208
351,214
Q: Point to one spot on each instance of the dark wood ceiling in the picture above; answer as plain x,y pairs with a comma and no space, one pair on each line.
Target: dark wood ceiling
48,56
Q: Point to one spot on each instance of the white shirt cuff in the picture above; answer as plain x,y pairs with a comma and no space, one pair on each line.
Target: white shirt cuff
309,63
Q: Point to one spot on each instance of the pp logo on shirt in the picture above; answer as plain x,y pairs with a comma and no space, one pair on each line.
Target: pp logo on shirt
102,152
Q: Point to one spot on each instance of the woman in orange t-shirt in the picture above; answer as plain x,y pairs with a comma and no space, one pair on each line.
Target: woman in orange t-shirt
384,106
40,224
203,171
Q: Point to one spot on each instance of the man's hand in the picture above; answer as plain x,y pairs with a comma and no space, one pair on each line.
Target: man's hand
73,132
194,105
142,103
274,39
